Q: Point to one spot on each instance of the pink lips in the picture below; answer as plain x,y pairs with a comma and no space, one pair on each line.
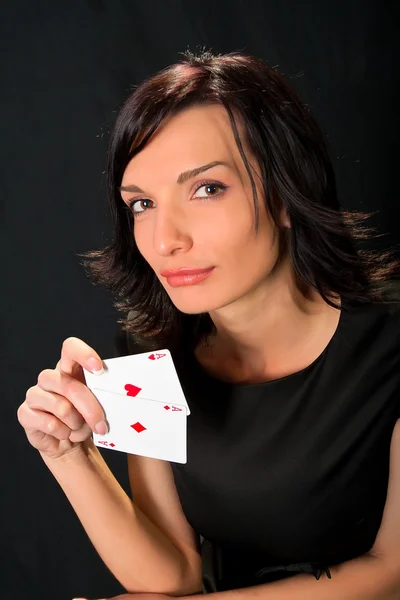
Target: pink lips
179,277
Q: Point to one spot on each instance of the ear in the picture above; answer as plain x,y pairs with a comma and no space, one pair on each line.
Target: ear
284,218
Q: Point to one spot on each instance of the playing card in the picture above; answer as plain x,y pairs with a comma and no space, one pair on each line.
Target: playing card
148,375
144,427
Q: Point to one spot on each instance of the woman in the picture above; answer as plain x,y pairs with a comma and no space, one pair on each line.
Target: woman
286,345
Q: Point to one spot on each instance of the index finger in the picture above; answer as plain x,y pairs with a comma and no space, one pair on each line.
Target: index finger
75,354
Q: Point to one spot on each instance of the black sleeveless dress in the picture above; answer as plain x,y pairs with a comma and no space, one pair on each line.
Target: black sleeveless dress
291,475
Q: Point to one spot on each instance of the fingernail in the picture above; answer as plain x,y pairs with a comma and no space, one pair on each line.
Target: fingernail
101,428
95,366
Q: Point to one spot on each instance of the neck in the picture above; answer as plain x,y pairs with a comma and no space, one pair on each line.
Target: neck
270,329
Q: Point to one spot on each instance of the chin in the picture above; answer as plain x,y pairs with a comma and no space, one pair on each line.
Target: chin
197,305
192,304
194,308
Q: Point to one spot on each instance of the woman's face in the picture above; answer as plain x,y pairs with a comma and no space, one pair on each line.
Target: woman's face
206,220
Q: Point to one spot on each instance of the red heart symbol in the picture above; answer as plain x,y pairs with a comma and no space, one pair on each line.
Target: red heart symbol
156,356
132,390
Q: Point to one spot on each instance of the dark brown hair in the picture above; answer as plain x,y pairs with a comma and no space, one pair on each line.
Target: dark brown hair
296,172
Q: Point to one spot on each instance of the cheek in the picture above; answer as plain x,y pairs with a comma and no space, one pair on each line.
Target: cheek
225,228
245,252
143,242
235,238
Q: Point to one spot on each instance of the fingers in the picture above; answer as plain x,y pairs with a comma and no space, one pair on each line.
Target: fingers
60,411
74,392
37,424
75,354
46,413
51,402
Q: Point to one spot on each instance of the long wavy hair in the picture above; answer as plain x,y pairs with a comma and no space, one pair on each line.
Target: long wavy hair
297,173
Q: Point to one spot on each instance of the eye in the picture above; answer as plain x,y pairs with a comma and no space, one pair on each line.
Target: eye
137,205
134,206
211,185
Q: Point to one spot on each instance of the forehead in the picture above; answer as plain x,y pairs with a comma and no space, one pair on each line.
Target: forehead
193,137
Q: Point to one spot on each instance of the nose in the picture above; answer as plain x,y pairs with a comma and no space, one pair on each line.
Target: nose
171,233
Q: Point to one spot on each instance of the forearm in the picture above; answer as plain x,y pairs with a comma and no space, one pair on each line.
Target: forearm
139,555
364,578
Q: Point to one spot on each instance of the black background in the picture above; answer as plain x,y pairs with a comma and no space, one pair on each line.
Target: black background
65,69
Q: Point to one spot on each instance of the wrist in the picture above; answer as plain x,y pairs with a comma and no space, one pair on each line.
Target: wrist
78,454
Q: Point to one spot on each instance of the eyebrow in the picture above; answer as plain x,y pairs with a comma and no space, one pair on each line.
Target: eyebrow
183,177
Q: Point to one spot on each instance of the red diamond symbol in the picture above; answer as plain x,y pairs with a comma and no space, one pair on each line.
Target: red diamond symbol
167,407
138,427
112,445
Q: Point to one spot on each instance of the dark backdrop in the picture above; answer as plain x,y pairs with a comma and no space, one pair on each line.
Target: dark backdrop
65,69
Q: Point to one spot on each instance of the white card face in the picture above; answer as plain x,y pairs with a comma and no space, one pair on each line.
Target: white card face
148,375
144,427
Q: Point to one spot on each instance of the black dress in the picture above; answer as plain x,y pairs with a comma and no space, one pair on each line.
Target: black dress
291,475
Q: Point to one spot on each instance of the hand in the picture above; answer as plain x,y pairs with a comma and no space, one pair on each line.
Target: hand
60,412
387,541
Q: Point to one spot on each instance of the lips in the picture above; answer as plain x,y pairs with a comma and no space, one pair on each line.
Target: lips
184,271
185,276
